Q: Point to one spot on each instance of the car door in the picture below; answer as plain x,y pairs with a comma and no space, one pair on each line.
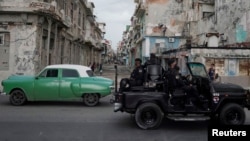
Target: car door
46,85
69,84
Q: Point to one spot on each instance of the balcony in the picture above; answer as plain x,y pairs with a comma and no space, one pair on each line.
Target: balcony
140,10
15,7
43,8
90,40
210,2
136,1
67,21
89,10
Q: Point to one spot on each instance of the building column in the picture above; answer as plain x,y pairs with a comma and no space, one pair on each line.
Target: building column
55,44
40,48
48,40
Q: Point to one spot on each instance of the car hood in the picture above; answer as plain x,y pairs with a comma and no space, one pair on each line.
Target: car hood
227,87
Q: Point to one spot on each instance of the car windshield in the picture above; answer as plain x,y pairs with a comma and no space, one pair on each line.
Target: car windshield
198,69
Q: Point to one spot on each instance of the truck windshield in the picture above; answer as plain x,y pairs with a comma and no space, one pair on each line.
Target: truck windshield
198,69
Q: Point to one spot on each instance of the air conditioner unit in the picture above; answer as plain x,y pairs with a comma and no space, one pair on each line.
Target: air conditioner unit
171,40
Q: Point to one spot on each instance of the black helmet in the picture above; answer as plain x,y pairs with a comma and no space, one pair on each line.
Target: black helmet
138,59
171,61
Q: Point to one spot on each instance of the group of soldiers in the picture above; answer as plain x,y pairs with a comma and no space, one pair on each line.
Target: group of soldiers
172,79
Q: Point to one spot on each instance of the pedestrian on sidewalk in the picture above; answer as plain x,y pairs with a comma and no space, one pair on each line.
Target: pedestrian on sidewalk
93,67
100,68
211,72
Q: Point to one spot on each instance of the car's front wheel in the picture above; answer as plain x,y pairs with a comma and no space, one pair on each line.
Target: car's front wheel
91,99
232,114
148,116
17,98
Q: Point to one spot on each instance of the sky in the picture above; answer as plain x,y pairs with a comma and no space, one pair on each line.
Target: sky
116,14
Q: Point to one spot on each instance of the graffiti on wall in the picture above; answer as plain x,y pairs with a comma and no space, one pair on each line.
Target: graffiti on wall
26,53
241,34
242,28
24,64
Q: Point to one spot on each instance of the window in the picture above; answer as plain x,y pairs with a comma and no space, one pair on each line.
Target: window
207,14
83,21
72,12
171,40
1,39
69,73
49,73
65,7
244,69
79,17
90,73
219,65
52,73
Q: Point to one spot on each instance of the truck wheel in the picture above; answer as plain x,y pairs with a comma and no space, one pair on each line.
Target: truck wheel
17,98
232,114
91,99
148,116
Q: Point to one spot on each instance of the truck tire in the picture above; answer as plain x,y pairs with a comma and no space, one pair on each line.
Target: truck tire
148,116
232,114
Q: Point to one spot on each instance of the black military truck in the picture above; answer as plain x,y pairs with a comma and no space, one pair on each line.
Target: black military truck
223,103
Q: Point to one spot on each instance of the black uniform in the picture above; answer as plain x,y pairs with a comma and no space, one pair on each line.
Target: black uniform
137,76
171,80
174,81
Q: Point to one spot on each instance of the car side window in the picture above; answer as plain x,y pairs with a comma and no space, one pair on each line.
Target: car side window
69,73
90,73
49,73
52,73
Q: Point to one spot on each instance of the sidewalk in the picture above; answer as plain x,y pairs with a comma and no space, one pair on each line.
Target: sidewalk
109,71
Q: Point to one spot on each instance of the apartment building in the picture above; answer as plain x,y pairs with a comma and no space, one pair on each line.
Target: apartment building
207,31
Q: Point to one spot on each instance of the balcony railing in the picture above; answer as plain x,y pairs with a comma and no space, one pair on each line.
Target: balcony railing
43,6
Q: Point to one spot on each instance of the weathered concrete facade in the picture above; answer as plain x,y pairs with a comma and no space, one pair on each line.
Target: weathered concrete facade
207,31
37,33
155,25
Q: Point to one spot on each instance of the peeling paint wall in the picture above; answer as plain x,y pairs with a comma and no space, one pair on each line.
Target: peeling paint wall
25,54
234,19
228,17
165,12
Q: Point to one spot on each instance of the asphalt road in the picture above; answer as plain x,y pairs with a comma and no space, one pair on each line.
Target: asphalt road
72,121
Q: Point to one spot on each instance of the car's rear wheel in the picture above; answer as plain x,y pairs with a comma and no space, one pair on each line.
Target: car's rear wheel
148,116
91,99
232,114
17,98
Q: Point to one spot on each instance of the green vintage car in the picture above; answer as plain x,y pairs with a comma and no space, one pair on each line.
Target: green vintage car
58,82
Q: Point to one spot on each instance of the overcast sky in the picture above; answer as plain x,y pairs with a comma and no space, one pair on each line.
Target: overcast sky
116,14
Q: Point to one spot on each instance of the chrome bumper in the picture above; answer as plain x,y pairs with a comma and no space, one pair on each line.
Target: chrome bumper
117,107
2,93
